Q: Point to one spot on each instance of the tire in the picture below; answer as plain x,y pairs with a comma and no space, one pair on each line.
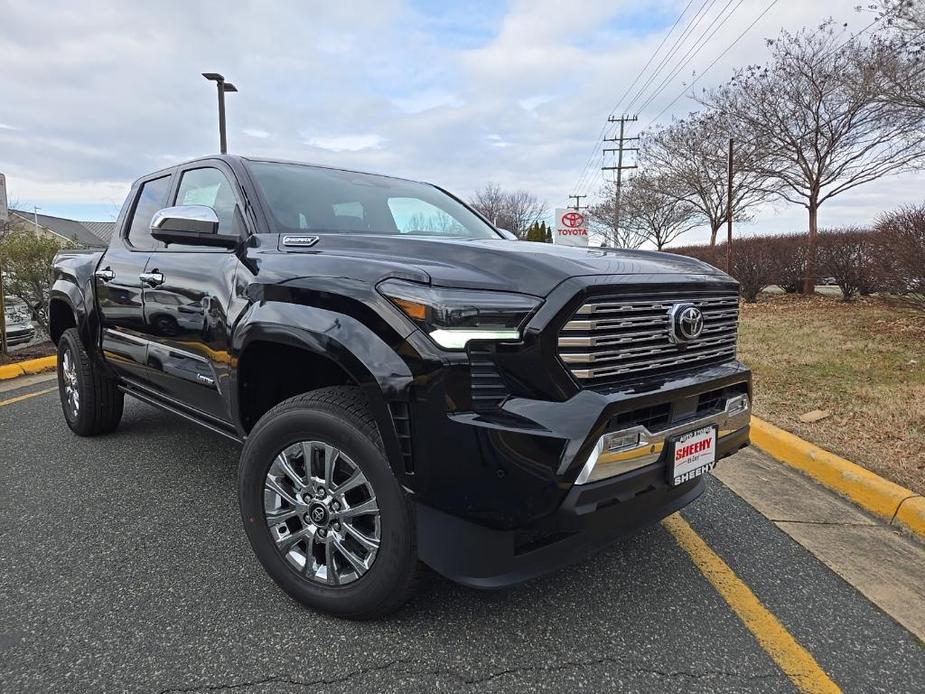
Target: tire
98,405
297,430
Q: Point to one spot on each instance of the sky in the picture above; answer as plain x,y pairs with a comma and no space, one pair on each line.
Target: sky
94,94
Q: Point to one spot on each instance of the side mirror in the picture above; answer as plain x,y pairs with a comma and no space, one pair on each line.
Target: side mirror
507,234
192,225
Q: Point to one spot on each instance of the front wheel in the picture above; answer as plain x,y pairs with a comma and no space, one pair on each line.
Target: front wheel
323,512
91,400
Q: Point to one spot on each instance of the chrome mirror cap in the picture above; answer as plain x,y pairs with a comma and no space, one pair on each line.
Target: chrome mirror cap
194,219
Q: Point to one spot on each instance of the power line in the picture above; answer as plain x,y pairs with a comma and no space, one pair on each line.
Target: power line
680,41
594,150
691,54
691,27
715,60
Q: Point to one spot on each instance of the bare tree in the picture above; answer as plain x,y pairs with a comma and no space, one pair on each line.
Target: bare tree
689,160
654,215
613,227
815,111
514,210
899,48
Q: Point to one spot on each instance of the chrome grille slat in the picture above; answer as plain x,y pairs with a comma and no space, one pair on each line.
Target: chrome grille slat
612,355
610,338
635,307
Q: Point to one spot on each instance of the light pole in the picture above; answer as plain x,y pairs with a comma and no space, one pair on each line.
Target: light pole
223,87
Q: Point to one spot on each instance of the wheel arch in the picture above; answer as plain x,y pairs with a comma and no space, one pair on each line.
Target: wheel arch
295,346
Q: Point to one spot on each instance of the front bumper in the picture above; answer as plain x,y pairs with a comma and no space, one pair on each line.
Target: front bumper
592,516
514,495
19,334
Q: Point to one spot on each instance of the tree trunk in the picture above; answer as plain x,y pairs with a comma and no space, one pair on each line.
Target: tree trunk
809,280
714,230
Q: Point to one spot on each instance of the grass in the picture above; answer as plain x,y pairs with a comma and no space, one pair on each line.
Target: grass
862,361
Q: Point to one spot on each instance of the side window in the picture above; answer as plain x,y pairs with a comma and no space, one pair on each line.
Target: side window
209,187
151,198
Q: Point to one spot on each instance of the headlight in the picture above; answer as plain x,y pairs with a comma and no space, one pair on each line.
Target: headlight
453,317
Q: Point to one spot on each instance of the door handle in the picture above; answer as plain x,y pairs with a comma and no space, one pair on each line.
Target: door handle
152,279
106,275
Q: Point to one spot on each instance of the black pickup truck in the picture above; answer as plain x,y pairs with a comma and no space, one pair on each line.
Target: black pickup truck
409,383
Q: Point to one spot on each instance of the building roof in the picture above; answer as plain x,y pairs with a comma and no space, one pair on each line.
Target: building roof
89,234
101,230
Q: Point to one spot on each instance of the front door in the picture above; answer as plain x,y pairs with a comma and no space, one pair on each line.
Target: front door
186,294
119,283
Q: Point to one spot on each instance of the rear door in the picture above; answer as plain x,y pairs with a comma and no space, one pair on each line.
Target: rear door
118,281
186,296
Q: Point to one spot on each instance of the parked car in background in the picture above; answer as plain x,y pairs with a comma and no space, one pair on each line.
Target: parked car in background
19,328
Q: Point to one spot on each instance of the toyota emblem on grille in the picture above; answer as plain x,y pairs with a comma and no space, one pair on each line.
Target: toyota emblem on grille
685,323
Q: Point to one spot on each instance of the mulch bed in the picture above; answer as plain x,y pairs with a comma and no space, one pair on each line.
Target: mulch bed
41,349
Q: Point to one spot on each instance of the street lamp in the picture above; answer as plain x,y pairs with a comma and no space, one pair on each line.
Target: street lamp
223,87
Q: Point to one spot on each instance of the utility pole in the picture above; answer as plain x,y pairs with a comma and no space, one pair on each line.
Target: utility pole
35,219
620,167
223,87
729,212
577,205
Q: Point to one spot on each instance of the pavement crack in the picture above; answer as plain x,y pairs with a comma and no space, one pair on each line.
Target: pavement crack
481,679
287,680
900,505
810,522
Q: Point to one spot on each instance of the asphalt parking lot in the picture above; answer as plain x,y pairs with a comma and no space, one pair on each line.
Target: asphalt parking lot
125,567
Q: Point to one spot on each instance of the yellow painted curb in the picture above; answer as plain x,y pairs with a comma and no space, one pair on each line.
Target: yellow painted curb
29,366
868,490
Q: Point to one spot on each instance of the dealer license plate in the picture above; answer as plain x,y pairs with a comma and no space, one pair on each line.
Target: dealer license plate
693,454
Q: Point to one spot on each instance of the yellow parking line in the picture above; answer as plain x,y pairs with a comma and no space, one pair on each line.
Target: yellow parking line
794,660
20,398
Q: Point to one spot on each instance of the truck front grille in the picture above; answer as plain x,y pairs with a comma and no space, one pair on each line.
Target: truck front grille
614,338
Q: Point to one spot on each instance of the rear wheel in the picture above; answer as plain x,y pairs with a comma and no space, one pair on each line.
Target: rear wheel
322,509
90,399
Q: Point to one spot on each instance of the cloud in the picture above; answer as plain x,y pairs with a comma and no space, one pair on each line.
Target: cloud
346,143
459,94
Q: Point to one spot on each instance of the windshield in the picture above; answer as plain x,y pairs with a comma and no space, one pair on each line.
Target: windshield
310,198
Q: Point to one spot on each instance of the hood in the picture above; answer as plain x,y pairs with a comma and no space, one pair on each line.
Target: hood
533,268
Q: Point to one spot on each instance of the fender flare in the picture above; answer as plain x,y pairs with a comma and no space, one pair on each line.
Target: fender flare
70,294
363,354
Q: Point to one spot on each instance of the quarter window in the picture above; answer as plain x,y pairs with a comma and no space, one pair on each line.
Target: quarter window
151,198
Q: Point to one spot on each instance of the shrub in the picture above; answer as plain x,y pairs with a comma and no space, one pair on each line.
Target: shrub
848,256
753,265
901,240
789,260
27,270
753,262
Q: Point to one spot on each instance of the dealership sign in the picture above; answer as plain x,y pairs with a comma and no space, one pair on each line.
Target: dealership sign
571,228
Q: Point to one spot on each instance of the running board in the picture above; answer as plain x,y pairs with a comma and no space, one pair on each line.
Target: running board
160,404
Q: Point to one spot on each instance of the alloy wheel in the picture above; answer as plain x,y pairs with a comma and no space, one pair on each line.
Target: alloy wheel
322,513
69,376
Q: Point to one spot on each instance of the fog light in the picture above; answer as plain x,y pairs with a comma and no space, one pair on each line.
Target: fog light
737,405
622,441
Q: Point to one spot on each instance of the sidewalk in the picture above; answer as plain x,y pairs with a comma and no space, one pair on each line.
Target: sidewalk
881,562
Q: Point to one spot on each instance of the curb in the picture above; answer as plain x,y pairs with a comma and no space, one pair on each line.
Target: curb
871,492
29,366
